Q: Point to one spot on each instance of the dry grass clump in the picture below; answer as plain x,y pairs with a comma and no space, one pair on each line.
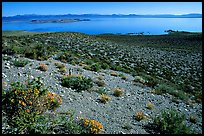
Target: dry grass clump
155,91
63,70
59,65
100,77
118,91
114,74
124,77
100,83
139,116
43,67
140,79
104,98
150,105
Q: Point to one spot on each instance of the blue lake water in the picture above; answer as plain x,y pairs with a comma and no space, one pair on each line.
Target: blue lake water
113,25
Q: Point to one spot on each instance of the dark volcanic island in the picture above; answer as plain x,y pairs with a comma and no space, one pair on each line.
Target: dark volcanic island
57,20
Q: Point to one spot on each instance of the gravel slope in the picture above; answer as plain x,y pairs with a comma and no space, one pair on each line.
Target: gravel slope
115,114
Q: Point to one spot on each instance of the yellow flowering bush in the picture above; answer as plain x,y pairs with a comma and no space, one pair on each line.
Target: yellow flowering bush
93,126
30,97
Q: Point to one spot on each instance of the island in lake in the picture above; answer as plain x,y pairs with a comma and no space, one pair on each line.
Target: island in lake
58,20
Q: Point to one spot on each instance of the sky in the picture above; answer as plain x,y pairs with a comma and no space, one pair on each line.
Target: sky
60,8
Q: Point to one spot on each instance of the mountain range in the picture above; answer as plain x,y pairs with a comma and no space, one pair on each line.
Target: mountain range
34,16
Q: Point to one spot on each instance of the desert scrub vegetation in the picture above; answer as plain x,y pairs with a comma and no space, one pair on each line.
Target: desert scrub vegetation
20,62
171,89
58,123
77,82
170,122
43,67
104,98
118,92
25,102
176,58
61,67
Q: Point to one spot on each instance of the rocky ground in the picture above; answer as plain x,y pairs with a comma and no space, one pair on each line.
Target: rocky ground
115,114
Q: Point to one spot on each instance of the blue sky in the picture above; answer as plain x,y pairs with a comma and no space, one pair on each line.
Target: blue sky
55,8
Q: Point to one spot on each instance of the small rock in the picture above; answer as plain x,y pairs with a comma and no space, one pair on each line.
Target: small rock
4,75
7,67
8,64
19,74
121,132
186,109
62,91
31,77
128,94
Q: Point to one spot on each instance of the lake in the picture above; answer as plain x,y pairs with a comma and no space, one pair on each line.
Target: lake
153,26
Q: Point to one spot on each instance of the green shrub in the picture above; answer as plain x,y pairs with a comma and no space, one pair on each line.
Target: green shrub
150,81
77,82
170,122
104,66
20,62
24,122
87,67
6,57
95,67
102,90
60,123
193,119
88,61
166,88
67,57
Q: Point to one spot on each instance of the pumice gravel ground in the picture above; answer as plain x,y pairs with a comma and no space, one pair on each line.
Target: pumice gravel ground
116,113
